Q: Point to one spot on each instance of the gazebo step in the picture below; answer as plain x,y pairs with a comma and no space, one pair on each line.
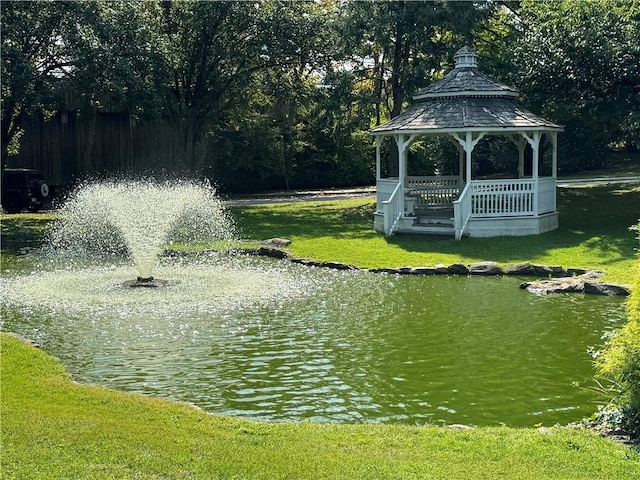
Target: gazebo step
431,229
434,212
434,221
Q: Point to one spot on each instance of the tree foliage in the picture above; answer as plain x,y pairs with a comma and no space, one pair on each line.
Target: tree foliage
278,94
578,63
397,47
32,55
80,56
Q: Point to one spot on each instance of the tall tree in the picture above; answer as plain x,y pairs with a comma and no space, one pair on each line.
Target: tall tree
400,45
217,52
88,52
33,56
578,63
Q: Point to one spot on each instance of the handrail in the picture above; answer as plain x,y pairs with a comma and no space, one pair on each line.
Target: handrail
393,208
462,211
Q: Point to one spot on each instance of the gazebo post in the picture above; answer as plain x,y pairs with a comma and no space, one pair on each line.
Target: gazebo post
534,141
468,144
378,159
461,159
468,148
402,163
403,143
536,156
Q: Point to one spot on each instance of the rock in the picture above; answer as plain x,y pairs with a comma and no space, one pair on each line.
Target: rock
574,285
485,268
547,271
19,337
564,285
305,262
519,269
277,242
558,271
424,271
389,270
576,272
441,269
592,274
545,431
337,266
271,252
541,271
607,289
458,269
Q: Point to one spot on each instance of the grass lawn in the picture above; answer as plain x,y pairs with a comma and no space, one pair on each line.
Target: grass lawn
53,428
594,233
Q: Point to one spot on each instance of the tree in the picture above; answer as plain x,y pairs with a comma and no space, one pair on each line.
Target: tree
86,53
399,46
578,63
33,56
216,53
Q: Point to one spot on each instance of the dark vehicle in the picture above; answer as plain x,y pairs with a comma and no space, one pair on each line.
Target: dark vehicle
24,188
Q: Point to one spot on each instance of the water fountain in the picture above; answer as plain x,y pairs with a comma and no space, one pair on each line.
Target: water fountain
138,217
274,340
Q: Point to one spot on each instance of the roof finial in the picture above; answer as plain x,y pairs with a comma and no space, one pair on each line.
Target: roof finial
466,57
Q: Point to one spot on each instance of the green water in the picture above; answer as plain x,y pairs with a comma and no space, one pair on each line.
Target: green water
278,342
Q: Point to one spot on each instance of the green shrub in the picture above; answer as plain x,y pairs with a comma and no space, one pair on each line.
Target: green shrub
620,361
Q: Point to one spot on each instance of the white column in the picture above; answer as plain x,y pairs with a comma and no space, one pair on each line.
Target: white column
535,146
554,154
378,159
402,160
534,141
468,148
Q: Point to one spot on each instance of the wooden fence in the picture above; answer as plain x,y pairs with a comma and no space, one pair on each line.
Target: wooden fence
69,146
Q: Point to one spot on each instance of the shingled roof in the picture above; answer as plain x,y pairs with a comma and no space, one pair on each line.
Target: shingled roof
465,99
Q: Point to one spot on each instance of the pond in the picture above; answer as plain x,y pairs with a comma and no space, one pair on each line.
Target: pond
271,340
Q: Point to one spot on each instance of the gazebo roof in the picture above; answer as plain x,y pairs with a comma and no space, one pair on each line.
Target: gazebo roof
465,100
462,114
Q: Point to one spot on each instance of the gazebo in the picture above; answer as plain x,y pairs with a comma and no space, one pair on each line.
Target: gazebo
467,106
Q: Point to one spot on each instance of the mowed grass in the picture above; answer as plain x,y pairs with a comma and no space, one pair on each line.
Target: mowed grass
53,428
594,233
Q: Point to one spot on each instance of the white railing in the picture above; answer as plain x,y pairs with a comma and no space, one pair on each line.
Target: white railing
462,212
393,209
546,195
502,198
384,190
434,191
